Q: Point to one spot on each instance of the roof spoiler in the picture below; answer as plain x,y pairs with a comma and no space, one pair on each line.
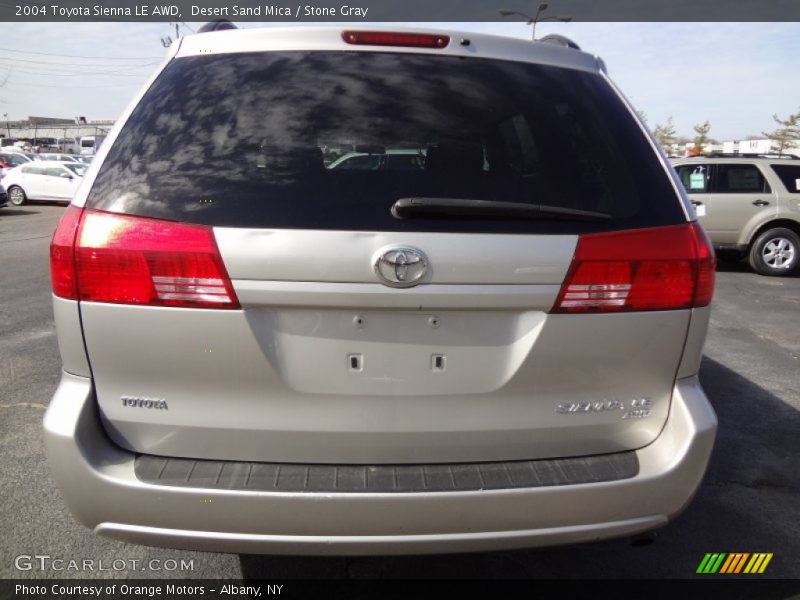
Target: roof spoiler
559,40
218,25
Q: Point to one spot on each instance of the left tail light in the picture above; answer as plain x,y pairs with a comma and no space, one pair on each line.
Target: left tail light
105,257
62,255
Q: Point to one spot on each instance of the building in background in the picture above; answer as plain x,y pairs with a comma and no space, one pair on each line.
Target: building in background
52,133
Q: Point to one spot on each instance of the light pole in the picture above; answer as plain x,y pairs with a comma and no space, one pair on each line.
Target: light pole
536,18
8,127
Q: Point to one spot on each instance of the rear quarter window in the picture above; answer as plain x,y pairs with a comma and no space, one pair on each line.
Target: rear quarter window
249,140
789,176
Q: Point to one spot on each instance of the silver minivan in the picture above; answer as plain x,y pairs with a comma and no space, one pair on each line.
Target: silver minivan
498,349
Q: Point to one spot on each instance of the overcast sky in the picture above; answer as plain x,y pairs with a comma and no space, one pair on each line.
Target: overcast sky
736,75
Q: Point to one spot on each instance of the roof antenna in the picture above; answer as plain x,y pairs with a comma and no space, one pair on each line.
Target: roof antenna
218,25
559,40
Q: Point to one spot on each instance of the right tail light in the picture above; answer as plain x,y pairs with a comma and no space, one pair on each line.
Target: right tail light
659,268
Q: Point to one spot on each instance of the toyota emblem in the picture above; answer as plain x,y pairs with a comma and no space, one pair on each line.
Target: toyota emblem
401,267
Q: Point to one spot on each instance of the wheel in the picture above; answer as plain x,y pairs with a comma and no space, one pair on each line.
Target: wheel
775,252
16,195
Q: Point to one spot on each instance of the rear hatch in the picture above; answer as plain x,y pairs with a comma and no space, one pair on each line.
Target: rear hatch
502,270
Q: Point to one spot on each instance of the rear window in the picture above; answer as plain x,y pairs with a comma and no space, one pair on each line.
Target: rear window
790,176
330,140
87,143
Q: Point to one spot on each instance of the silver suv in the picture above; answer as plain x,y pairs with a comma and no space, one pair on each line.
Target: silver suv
498,349
750,207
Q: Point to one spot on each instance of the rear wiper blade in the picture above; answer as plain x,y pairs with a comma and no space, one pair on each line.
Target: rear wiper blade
405,208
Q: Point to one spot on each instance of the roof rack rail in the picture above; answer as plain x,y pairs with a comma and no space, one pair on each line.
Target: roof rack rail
218,25
559,40
746,155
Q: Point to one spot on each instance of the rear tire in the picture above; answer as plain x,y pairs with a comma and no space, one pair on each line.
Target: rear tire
16,195
776,252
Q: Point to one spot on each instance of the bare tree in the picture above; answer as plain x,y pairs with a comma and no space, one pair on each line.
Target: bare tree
665,135
701,138
787,134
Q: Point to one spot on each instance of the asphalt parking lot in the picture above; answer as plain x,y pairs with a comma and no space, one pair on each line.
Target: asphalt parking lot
749,502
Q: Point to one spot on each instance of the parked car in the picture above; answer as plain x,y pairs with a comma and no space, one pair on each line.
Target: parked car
264,355
3,197
392,159
57,157
69,145
749,207
90,144
14,159
43,180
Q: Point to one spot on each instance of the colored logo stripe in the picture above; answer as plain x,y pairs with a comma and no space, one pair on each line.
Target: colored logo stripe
758,563
711,563
733,563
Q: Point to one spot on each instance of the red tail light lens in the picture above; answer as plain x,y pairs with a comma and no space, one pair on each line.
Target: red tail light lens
706,267
62,255
662,268
135,260
387,38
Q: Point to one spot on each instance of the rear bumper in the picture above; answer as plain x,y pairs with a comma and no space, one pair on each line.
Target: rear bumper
101,489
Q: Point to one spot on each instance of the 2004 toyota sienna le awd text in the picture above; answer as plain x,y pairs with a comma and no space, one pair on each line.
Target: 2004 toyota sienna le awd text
498,349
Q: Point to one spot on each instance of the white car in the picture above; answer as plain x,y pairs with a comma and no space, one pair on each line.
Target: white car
11,160
43,180
394,160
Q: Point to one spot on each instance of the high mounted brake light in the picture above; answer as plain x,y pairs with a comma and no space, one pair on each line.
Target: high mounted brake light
105,257
388,38
660,268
